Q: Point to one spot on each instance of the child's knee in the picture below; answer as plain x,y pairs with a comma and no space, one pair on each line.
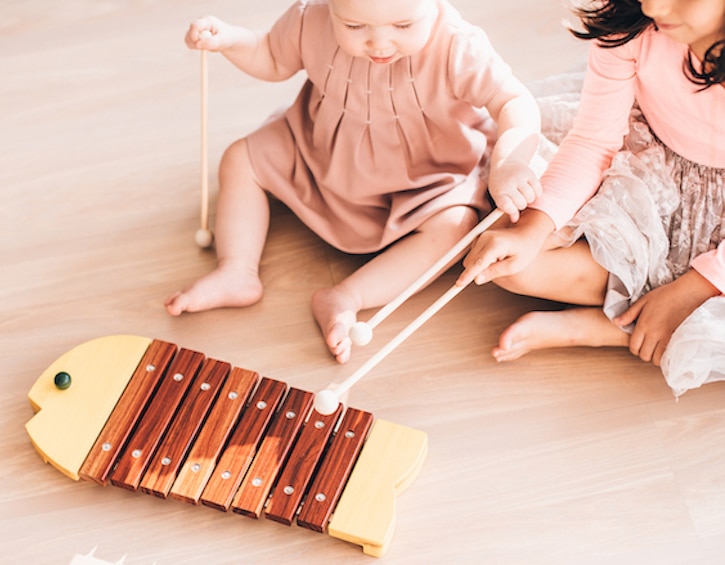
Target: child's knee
457,220
519,283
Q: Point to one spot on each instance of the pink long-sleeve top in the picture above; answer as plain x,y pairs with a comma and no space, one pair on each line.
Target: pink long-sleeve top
648,69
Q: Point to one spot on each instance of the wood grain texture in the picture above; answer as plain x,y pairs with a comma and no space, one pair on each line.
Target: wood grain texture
176,416
297,475
185,425
212,438
156,418
239,451
63,430
272,453
565,457
120,425
388,464
334,469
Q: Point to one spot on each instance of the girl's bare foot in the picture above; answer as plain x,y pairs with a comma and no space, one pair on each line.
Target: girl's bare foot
566,328
227,285
335,310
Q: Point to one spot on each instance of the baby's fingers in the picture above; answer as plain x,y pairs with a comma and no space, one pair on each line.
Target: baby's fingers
509,206
201,34
518,198
531,190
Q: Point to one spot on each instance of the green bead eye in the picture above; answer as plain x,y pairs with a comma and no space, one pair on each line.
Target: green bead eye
62,380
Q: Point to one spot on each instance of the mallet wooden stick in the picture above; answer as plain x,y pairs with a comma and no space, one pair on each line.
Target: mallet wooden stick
361,333
326,401
204,236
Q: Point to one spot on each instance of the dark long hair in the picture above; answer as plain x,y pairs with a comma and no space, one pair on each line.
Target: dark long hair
615,22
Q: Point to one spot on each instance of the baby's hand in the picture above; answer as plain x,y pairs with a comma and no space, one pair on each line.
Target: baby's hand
208,33
513,186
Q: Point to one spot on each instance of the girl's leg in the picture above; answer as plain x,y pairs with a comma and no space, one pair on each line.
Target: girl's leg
241,229
563,274
385,276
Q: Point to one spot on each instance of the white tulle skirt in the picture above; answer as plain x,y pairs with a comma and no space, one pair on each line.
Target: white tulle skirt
654,212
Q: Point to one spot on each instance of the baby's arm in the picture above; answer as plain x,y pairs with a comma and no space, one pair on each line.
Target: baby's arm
512,183
248,50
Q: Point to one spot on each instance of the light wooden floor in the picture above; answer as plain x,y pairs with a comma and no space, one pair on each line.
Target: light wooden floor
568,456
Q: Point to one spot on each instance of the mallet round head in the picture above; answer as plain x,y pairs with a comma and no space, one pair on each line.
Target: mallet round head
361,333
203,238
326,402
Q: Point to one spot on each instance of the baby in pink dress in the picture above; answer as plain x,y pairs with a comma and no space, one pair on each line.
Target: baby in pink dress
407,117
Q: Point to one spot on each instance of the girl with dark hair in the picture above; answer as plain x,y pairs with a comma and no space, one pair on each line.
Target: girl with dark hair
644,259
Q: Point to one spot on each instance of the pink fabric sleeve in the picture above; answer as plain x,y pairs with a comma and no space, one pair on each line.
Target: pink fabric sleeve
476,71
711,265
284,37
602,121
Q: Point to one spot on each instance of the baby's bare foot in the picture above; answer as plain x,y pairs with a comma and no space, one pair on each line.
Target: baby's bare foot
565,328
335,311
227,285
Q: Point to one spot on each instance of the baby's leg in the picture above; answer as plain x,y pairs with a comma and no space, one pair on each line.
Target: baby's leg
385,276
566,328
241,229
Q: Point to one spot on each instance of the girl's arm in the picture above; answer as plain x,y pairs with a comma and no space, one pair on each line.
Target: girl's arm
660,312
574,173
248,50
711,265
602,121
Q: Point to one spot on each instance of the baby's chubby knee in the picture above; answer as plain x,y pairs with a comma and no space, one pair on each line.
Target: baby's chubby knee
455,221
235,166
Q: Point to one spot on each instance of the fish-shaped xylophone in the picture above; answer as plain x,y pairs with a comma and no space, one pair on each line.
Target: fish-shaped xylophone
148,415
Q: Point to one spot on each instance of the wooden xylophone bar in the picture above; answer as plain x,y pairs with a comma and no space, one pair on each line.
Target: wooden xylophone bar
146,415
